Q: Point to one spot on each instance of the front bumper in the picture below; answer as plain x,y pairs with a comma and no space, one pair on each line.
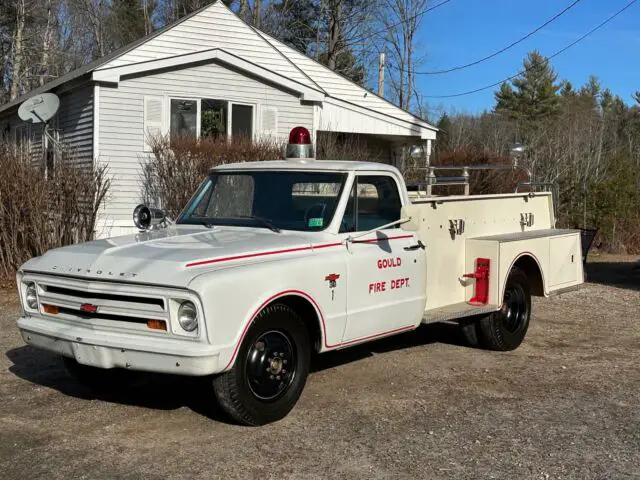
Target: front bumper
104,349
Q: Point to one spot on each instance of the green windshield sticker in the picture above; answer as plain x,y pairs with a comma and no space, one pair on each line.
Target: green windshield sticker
316,222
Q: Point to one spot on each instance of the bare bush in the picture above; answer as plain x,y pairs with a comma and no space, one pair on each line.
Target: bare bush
178,165
37,214
350,146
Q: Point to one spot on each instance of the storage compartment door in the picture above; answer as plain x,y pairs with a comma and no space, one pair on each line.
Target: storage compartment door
565,261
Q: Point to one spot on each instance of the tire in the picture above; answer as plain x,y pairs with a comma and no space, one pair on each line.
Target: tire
505,329
260,388
470,331
99,380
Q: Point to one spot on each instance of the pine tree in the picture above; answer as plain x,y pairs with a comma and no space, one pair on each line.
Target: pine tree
567,90
534,94
445,125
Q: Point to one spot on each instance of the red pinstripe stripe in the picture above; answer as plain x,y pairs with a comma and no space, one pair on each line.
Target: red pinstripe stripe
324,328
260,254
371,337
288,250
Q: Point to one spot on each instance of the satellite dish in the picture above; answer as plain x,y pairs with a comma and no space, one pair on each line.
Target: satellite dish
39,108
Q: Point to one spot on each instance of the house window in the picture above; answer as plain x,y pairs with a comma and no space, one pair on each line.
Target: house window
242,121
211,118
184,118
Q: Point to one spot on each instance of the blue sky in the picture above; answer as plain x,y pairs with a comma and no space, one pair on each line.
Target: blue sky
465,30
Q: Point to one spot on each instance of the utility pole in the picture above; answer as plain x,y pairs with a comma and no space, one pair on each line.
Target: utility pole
256,13
381,75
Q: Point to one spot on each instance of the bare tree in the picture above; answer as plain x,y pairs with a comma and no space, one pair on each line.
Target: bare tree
95,13
401,20
46,43
17,56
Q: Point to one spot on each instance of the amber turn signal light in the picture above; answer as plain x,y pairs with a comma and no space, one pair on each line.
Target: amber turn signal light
50,309
157,325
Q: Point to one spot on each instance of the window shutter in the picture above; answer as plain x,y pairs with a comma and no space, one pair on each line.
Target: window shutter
153,119
270,122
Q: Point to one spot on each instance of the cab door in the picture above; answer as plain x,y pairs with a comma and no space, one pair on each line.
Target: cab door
385,268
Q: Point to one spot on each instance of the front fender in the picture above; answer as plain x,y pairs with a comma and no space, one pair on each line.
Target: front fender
232,297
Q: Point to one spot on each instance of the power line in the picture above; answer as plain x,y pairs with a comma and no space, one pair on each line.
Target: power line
502,50
559,52
379,32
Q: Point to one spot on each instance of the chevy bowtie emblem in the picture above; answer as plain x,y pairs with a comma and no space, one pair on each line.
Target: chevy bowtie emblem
332,278
88,308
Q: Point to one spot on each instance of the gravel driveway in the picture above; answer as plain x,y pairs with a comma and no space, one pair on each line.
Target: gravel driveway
566,404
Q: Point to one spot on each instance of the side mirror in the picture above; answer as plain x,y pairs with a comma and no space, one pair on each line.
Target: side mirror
147,218
412,212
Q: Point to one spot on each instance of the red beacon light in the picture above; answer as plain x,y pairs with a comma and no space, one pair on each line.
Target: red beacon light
299,146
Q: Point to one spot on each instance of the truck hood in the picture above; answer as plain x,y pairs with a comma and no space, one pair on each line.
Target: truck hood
169,257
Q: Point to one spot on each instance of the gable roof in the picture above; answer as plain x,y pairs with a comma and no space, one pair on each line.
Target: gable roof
216,27
91,66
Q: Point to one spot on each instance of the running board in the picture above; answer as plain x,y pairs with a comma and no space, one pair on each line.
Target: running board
457,310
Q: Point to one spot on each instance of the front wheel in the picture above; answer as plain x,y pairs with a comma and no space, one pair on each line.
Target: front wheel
505,329
270,370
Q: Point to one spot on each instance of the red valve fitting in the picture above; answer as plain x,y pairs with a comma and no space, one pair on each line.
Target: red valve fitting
481,276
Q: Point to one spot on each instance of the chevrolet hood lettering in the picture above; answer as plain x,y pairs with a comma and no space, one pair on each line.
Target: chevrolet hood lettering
166,257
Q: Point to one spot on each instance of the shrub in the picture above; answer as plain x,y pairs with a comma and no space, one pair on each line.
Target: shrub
37,214
172,174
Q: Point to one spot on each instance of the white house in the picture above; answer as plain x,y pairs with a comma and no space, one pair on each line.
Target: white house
210,61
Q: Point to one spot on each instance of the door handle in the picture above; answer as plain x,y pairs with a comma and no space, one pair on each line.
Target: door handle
415,247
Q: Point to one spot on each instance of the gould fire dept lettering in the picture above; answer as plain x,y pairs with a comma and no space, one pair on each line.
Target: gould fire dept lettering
389,263
395,284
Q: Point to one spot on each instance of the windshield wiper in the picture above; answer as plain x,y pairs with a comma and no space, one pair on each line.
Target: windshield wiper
207,224
264,222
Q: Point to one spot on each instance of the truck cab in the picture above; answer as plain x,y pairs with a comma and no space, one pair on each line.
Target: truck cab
272,261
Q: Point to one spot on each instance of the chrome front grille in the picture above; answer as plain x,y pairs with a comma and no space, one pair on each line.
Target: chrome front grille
100,303
92,296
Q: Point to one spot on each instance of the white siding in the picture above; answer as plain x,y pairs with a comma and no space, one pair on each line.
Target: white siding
75,122
121,120
218,27
343,89
214,27
337,116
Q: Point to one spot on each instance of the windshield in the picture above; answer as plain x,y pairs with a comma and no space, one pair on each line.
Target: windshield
287,200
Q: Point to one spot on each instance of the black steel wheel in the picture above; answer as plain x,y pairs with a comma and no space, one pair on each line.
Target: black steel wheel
270,369
270,365
505,329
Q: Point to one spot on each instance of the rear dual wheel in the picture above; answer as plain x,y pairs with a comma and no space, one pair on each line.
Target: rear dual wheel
506,328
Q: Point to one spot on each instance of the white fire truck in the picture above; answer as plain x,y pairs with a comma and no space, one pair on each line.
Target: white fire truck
272,261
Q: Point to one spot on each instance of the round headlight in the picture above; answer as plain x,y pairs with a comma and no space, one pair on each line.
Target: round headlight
188,316
31,296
